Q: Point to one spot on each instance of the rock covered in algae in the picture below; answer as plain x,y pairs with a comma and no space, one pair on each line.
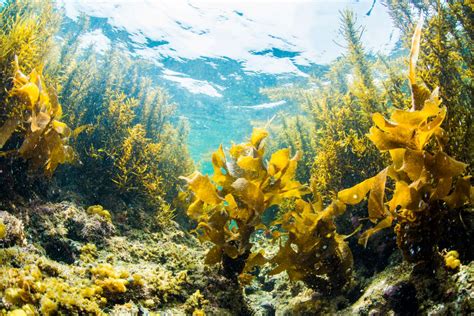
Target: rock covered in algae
60,228
399,289
11,230
115,274
401,298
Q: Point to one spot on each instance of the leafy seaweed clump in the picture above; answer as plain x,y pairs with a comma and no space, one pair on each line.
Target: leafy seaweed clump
335,115
314,252
429,185
229,209
37,118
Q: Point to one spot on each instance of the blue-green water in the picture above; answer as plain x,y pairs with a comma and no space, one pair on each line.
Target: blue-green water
216,58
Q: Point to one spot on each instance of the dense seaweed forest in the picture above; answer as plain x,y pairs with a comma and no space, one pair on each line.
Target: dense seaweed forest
360,203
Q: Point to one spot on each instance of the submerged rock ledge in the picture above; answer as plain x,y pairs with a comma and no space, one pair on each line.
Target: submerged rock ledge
57,258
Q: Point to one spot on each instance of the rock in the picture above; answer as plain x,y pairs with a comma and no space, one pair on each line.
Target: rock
69,221
375,312
269,309
269,285
402,298
250,289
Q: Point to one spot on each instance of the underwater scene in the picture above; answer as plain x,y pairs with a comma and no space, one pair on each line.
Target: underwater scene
265,157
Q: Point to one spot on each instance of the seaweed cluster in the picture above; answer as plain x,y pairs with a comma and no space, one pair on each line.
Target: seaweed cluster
45,137
314,252
428,183
130,147
337,109
26,34
125,142
336,112
429,187
446,62
230,209
122,159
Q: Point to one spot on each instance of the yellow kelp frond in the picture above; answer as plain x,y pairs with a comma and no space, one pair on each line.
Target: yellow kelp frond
7,129
203,188
249,163
255,259
229,209
45,137
258,135
384,223
408,129
357,193
279,161
419,92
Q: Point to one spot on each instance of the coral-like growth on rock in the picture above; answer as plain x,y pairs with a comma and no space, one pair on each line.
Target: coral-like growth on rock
11,230
451,260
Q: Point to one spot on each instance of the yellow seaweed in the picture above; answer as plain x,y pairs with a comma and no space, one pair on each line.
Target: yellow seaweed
229,208
422,178
45,139
203,188
314,252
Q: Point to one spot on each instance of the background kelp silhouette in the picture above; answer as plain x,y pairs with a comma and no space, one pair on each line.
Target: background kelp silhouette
96,180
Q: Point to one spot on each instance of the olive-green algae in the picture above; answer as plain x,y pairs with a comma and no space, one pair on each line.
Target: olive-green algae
158,271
